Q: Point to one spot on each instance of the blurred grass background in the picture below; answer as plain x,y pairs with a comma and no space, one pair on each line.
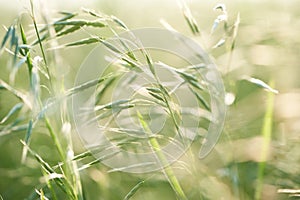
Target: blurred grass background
267,47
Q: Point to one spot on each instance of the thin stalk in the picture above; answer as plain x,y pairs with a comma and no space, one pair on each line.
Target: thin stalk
62,143
27,53
164,92
55,139
40,43
161,157
267,134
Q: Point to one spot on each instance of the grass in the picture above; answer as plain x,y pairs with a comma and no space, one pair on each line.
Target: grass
267,136
36,123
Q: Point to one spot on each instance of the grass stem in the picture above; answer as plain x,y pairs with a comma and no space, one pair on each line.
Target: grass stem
161,157
267,134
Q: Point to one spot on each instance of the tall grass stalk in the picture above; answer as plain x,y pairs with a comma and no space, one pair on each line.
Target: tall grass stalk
62,139
40,42
168,171
267,134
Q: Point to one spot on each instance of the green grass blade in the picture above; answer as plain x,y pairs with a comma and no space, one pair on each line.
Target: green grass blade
132,64
6,36
57,28
43,163
69,30
29,131
14,42
68,15
200,99
41,194
83,155
17,93
13,128
26,140
55,139
235,31
157,150
47,168
89,84
40,43
150,64
98,160
113,105
83,42
156,96
13,35
81,22
16,108
27,53
111,46
261,84
16,49
92,13
119,22
134,190
267,134
190,19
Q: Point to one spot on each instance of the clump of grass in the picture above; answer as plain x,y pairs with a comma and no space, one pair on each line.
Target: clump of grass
64,175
